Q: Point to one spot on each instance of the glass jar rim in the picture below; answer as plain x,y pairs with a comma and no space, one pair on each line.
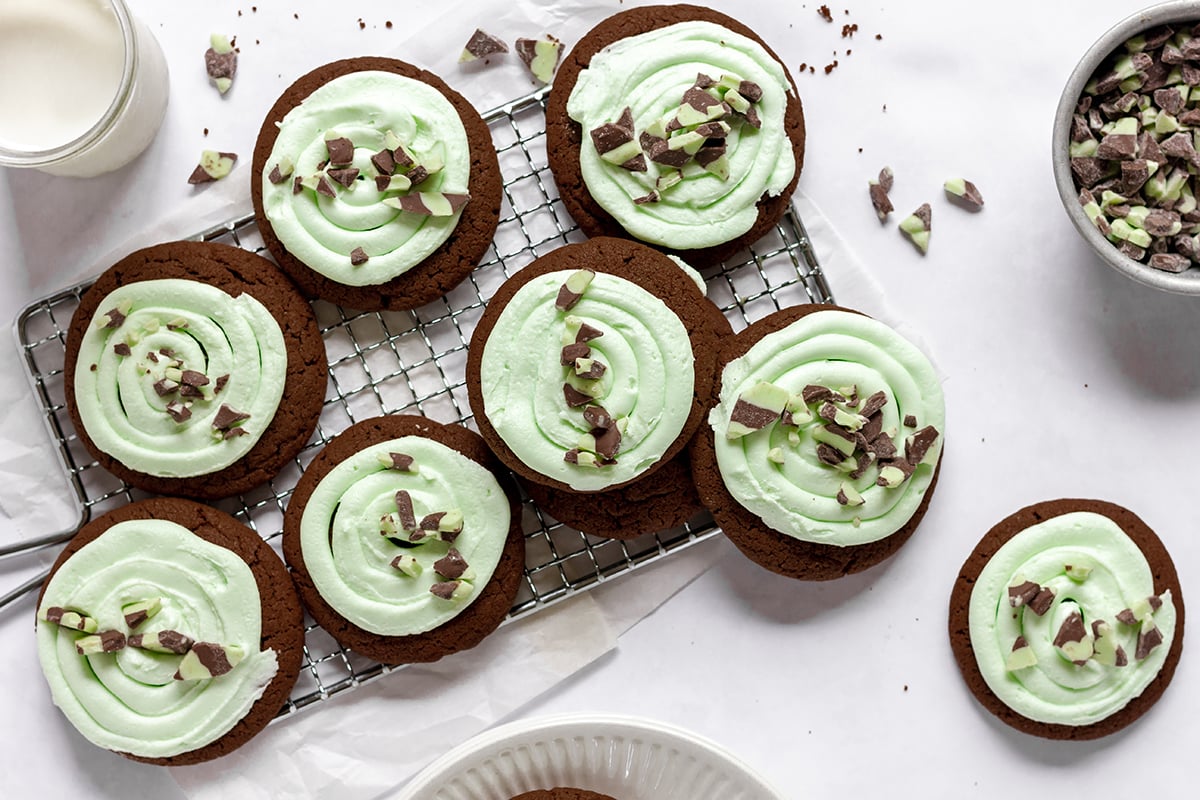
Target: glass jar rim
53,155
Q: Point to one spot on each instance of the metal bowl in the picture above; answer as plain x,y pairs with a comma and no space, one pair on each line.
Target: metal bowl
1186,282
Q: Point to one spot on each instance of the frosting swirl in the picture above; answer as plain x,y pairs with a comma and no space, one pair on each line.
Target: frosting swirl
649,73
350,561
784,482
129,701
1094,570
322,231
647,386
162,367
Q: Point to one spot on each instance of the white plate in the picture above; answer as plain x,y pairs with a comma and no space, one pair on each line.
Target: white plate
626,757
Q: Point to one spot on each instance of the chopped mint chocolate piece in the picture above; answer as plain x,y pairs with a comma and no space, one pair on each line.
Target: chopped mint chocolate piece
574,397
209,660
102,642
392,183
1170,262
540,56
191,377
178,412
848,496
589,369
430,204
651,197
756,408
220,62
1022,593
408,516
281,171
829,455
212,167
1073,639
227,417
384,162
340,149
837,437
164,641
1021,656
1042,601
890,476
401,462
917,445
878,190
573,352
571,292
580,458
1077,572
917,226
452,566
1149,637
346,176
122,349
73,620
963,192
358,256
481,45
451,590
220,384
137,613
408,565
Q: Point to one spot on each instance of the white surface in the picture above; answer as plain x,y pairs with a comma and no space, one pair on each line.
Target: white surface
1058,372
627,757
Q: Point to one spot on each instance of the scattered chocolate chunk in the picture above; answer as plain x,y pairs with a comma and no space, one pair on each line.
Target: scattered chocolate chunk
480,45
587,333
137,613
1042,601
829,455
178,412
1126,616
297,185
208,660
102,642
446,590
615,143
430,522
574,397
340,149
408,517
346,176
1071,630
227,417
164,641
755,409
452,566
1149,637
73,620
384,162
651,197
919,443
401,462
873,403
847,495
1022,593
813,393
878,189
164,387
572,352
220,61
540,56
191,377
430,204
122,349
917,226
212,167
408,565
571,292
358,256
1171,262
964,193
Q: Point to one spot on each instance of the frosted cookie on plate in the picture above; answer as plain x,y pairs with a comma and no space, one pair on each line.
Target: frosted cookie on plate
588,373
404,539
677,126
1067,619
169,632
823,449
194,369
562,793
375,184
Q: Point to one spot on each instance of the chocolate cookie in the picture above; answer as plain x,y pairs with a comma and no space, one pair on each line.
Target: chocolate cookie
444,267
763,544
154,388
282,629
397,537
562,793
669,301
1045,607
565,136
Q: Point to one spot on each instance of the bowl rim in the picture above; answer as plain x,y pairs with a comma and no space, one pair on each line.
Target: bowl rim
1187,282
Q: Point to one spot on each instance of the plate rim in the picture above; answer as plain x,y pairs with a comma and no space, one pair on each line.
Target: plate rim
491,742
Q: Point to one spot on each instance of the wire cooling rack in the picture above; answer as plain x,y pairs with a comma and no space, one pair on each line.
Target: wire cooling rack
415,362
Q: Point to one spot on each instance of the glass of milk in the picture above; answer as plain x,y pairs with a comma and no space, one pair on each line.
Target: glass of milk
83,86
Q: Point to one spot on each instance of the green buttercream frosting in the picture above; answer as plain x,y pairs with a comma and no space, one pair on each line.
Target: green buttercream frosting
350,561
792,490
649,73
648,383
129,701
171,326
1055,689
322,231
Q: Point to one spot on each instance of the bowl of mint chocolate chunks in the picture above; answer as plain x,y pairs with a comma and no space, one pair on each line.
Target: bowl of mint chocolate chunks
1127,147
